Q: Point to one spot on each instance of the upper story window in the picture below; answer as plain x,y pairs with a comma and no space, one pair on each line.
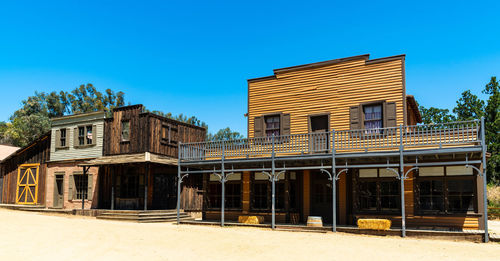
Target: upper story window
272,124
62,138
125,130
168,134
372,116
84,135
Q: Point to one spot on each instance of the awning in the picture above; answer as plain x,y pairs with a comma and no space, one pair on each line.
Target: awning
130,158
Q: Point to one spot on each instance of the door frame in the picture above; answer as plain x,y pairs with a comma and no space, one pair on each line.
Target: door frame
28,166
311,196
63,174
309,123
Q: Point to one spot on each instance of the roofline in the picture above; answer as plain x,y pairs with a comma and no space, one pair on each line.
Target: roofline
128,107
326,63
413,104
17,152
78,115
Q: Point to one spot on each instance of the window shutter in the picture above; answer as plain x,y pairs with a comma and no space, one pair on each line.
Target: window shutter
75,137
285,124
94,134
89,184
390,114
68,131
58,138
71,187
355,118
258,127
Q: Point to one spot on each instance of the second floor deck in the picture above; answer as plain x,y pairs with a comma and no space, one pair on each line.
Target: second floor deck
415,137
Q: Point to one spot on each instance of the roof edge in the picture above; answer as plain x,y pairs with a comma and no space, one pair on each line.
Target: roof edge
319,64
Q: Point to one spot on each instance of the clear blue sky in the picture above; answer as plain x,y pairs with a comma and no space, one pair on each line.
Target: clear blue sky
194,57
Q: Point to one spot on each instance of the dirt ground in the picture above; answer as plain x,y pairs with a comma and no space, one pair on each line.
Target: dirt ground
32,236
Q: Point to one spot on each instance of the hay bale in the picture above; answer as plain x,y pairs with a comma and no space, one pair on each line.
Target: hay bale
374,224
251,219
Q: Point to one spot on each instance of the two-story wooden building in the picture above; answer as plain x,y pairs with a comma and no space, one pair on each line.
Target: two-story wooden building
74,139
139,164
346,122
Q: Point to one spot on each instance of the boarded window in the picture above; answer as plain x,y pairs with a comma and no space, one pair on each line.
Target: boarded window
125,130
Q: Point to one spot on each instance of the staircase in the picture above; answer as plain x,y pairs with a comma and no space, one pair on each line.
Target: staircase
150,216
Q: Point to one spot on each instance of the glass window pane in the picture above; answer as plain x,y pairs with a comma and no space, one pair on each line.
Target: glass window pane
368,195
458,171
431,195
368,173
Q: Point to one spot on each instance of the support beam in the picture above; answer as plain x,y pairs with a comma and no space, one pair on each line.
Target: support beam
112,189
402,180
85,175
485,193
334,185
179,183
223,183
273,195
146,184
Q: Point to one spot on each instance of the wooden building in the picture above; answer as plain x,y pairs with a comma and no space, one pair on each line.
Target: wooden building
74,140
23,173
139,163
346,122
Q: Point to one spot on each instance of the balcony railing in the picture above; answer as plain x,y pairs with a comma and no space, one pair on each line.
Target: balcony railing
383,139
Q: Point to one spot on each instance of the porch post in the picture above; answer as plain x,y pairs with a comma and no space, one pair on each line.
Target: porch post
223,183
146,183
83,189
273,181
334,183
178,183
402,180
112,189
485,192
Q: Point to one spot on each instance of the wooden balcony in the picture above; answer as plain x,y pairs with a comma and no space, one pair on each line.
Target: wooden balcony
430,136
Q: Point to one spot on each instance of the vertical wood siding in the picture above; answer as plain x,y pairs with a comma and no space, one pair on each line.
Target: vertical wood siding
327,89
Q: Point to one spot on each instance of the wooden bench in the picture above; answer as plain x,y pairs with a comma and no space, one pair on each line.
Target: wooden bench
251,219
374,224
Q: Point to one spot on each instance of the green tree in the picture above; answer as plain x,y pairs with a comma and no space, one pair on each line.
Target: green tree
492,129
87,98
469,107
224,134
435,115
27,128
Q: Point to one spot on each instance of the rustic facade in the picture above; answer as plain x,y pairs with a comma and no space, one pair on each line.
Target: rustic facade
346,122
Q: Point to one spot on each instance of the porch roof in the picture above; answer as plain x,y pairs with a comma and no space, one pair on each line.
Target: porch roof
130,158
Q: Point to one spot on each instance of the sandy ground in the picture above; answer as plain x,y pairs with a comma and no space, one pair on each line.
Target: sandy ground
32,236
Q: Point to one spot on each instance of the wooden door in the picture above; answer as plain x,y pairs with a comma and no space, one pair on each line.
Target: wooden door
59,191
27,184
164,191
319,137
321,196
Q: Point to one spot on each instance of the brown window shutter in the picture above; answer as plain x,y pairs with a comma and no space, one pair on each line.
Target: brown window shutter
285,124
390,114
94,134
355,117
71,187
68,131
75,137
258,126
58,138
89,184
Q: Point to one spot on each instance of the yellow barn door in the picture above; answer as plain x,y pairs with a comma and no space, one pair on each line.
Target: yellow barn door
27,184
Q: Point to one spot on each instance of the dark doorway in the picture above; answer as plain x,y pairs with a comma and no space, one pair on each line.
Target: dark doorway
1,189
59,191
319,126
164,191
321,196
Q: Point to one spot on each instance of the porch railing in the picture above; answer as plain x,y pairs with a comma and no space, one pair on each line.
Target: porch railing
416,136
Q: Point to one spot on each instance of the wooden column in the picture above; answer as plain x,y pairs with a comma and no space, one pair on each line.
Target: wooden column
409,193
246,192
342,198
306,206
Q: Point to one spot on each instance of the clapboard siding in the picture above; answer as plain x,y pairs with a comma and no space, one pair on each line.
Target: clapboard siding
70,123
146,133
330,89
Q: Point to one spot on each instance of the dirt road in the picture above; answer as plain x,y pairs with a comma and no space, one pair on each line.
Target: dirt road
31,236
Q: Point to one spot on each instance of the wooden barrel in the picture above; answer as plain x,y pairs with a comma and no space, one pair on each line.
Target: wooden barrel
313,221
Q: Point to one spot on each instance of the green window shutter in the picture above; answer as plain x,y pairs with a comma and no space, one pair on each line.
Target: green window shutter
94,134
75,137
355,117
285,124
258,124
89,184
71,187
58,138
390,114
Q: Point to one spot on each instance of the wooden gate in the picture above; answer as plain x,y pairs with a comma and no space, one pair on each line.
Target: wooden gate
27,184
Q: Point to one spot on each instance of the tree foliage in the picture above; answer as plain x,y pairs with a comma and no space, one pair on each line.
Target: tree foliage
469,107
435,115
224,134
